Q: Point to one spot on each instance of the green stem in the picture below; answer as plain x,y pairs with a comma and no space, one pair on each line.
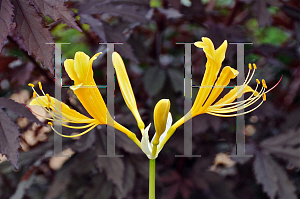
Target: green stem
151,178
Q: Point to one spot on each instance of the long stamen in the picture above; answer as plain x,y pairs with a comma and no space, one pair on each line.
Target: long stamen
246,82
274,85
57,117
232,115
240,106
234,103
72,136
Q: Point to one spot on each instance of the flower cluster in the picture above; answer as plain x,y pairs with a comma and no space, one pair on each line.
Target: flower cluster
80,71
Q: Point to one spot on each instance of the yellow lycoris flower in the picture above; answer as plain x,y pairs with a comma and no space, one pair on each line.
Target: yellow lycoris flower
80,70
212,86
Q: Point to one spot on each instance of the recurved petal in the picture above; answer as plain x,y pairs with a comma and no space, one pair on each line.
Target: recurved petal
210,48
126,88
200,44
220,53
233,94
66,111
226,75
81,65
89,73
69,66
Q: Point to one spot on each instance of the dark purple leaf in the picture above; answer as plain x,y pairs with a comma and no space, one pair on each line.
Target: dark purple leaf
154,80
19,109
261,9
85,142
273,178
285,145
9,138
109,34
286,187
22,74
99,188
56,10
291,11
4,62
128,182
79,164
265,174
33,33
129,10
114,166
6,19
124,142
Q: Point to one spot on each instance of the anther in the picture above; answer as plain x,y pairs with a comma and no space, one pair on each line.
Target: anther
264,83
254,66
48,97
250,67
264,97
40,86
34,94
31,85
257,81
50,123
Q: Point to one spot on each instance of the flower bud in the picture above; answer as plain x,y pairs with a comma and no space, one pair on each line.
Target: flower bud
161,112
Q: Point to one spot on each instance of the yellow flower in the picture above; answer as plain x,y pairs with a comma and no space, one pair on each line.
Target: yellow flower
162,116
212,86
80,70
162,123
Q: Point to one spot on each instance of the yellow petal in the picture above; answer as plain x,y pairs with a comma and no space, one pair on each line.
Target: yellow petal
220,53
126,88
233,94
66,111
93,102
89,73
209,49
86,89
223,80
161,112
81,65
69,67
200,44
213,65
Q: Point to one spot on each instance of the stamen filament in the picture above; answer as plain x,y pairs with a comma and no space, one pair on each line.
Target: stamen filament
72,136
232,115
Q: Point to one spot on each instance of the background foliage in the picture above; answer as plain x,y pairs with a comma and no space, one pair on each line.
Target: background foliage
155,63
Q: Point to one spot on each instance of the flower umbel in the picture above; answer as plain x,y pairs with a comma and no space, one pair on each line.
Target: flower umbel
80,71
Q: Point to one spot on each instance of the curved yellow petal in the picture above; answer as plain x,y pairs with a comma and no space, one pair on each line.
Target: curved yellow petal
220,53
81,65
209,49
233,94
69,67
85,87
213,65
66,111
126,88
226,75
160,115
89,73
